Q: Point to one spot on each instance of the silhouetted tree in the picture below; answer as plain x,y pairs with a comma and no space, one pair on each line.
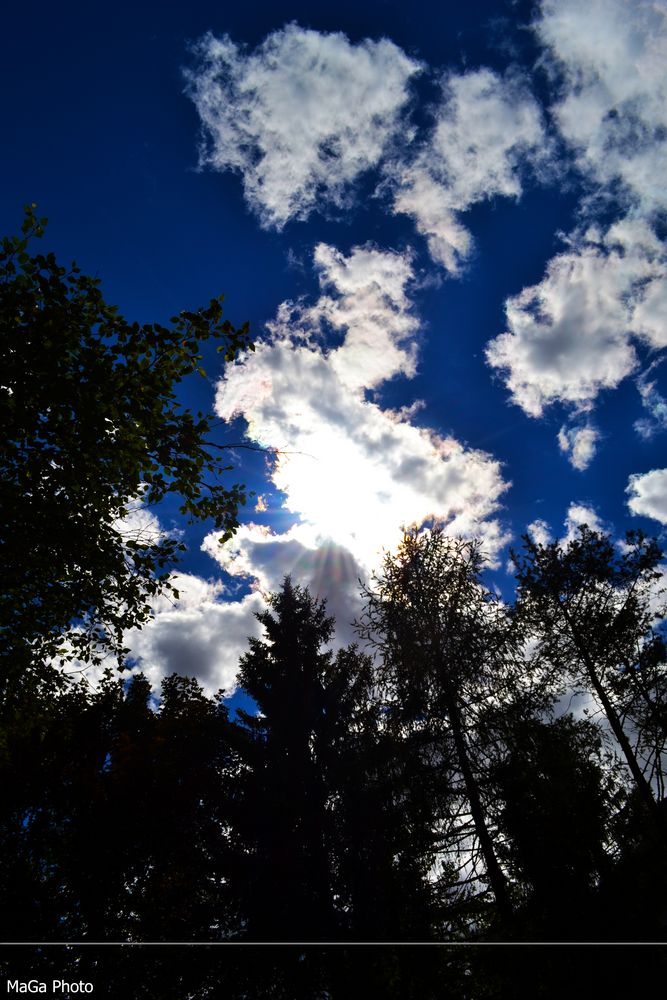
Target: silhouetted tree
285,823
633,890
445,643
553,800
593,608
341,839
389,793
115,817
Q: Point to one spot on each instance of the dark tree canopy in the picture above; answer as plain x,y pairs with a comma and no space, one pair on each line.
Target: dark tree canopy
92,429
288,674
332,811
554,801
114,825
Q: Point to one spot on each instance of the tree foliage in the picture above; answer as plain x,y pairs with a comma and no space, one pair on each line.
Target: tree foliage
344,807
555,803
115,822
92,430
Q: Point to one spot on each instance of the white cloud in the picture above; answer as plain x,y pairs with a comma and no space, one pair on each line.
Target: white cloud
429,203
539,532
301,117
352,473
577,515
612,56
576,332
647,494
571,336
139,524
329,570
196,635
368,305
487,127
579,443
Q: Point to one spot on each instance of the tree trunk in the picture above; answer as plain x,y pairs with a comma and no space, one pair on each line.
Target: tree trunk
617,728
496,877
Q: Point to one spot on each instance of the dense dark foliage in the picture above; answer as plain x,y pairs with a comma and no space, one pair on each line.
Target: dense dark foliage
344,808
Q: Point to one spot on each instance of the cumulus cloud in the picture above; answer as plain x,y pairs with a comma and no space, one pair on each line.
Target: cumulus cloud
301,117
612,59
487,127
579,444
574,334
366,302
306,113
199,634
196,633
352,473
647,494
265,557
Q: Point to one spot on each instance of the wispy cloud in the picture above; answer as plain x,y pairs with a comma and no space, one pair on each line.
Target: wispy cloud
653,402
611,59
579,443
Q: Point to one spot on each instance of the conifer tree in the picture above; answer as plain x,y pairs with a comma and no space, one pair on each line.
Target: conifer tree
552,798
337,833
284,818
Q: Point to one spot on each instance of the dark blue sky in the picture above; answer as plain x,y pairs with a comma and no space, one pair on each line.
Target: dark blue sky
537,165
